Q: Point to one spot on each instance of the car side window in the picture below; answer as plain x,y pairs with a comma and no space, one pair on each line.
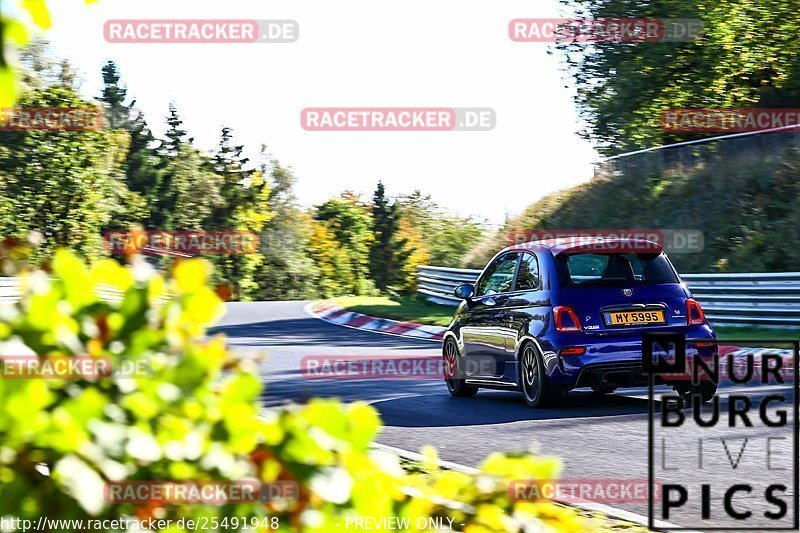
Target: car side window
528,275
499,276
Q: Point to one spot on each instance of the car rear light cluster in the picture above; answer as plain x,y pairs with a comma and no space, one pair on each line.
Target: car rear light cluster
694,313
566,319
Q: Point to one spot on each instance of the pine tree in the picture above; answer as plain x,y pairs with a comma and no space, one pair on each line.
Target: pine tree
388,253
175,135
143,173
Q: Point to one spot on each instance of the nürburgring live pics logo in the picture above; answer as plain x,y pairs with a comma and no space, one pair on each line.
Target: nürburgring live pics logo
730,463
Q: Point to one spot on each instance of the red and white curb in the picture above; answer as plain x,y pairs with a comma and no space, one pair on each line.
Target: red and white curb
335,314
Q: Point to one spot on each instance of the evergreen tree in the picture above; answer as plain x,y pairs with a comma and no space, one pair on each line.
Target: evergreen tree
388,253
114,95
175,135
143,173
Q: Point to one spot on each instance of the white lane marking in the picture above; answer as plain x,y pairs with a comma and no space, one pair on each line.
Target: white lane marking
307,309
613,512
723,392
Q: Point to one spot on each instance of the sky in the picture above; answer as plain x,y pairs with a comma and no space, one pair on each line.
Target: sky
358,53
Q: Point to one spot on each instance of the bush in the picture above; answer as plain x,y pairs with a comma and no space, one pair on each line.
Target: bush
196,416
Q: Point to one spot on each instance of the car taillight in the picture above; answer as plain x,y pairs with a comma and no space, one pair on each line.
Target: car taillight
566,319
694,313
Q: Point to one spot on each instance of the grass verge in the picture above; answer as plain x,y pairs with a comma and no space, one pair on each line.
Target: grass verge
773,334
408,308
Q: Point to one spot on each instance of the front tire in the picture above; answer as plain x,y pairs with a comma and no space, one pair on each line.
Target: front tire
536,387
452,369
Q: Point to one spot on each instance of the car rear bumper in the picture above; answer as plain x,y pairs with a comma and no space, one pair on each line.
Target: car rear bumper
611,360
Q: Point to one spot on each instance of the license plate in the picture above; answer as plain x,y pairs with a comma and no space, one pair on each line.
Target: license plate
634,318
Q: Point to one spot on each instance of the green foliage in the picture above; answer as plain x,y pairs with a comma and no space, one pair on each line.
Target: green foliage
126,178
350,221
64,185
288,271
447,238
389,251
335,275
746,57
745,207
195,417
15,32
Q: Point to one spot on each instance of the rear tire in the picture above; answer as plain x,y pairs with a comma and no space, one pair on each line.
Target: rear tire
706,390
452,368
536,388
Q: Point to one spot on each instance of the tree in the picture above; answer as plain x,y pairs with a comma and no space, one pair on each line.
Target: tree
335,277
163,195
194,189
448,238
746,56
114,94
65,185
350,221
287,272
175,135
245,195
388,253
143,174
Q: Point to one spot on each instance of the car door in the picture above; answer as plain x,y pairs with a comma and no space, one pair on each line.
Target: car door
485,328
527,309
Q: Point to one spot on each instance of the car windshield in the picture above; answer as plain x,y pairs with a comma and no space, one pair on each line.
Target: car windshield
592,269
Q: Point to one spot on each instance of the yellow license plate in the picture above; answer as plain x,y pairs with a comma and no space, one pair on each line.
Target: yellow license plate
634,318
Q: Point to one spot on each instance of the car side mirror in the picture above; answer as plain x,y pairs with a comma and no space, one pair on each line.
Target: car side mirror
464,291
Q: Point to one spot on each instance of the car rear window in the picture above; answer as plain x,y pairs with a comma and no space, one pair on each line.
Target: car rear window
590,269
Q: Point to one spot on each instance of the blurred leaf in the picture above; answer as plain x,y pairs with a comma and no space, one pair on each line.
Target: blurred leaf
8,87
39,12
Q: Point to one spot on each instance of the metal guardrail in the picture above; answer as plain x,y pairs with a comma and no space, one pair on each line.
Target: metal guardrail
10,292
746,299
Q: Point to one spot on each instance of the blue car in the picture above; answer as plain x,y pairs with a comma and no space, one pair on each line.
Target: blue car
550,316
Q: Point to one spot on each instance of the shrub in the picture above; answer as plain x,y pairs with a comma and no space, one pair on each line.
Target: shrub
195,416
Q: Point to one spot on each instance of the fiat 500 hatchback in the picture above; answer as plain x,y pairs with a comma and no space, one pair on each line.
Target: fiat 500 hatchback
550,316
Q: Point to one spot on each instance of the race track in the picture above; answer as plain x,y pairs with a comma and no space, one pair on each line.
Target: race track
597,437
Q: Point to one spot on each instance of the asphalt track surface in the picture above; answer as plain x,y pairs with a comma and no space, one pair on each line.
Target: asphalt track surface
598,438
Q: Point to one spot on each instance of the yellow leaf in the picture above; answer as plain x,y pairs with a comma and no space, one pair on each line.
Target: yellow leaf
192,275
15,32
8,87
109,272
39,13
